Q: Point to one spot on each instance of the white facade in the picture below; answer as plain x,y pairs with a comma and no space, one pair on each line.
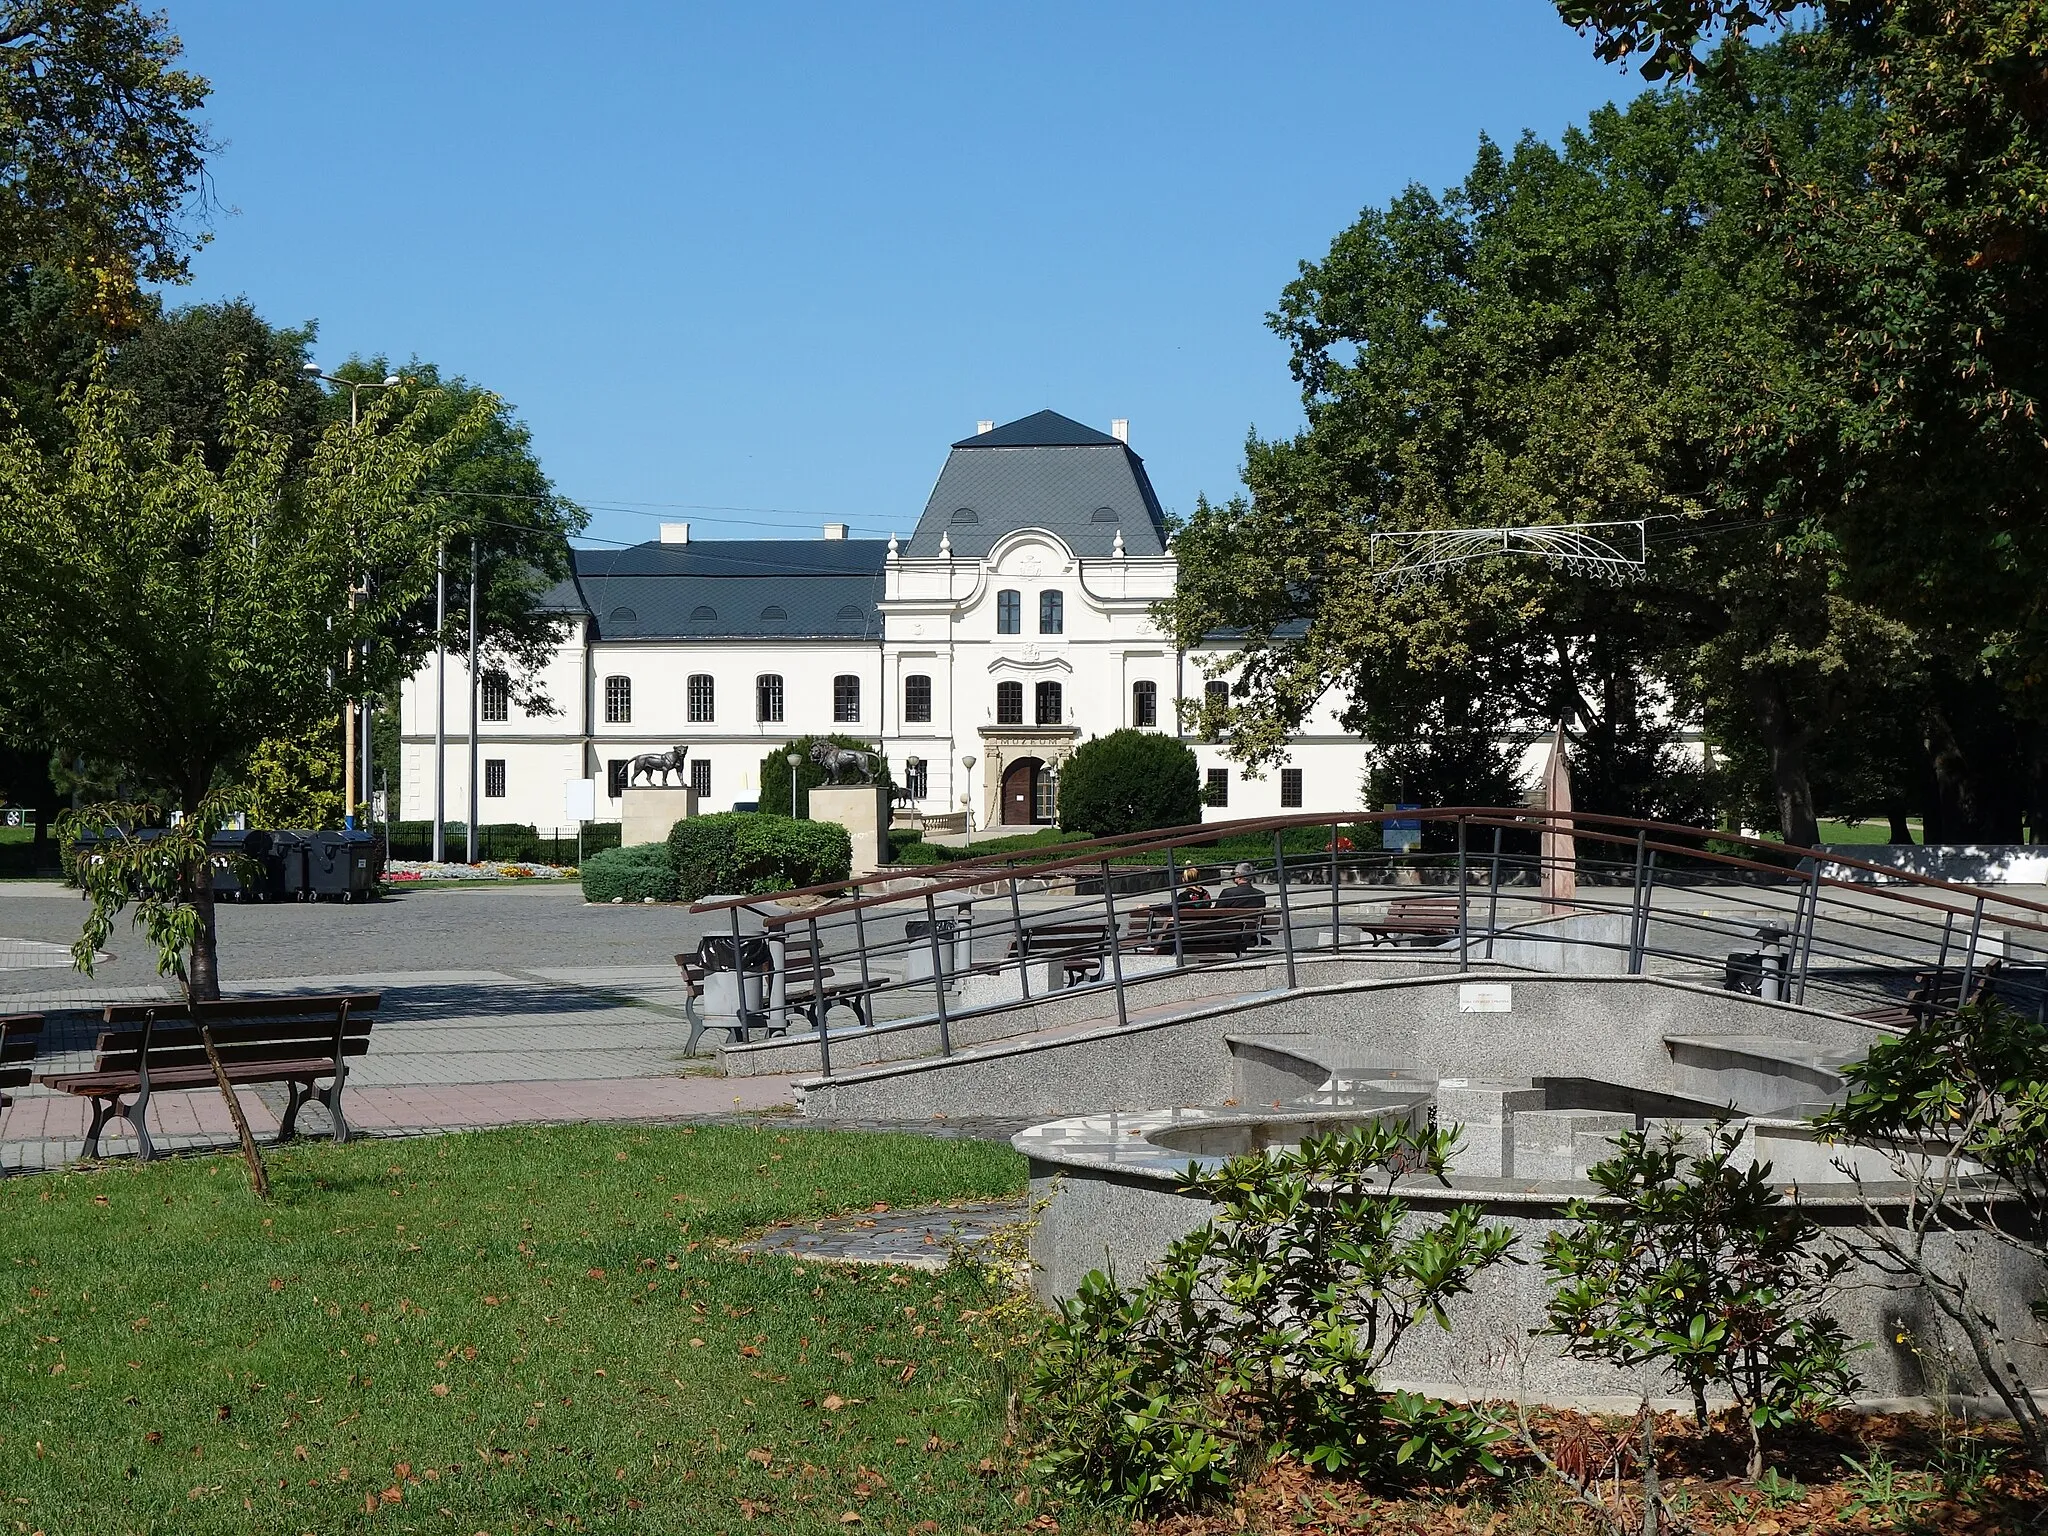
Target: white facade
1011,656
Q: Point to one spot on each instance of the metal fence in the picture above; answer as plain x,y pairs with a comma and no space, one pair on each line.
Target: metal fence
502,841
924,949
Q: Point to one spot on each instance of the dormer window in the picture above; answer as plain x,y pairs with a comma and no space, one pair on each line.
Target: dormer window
964,516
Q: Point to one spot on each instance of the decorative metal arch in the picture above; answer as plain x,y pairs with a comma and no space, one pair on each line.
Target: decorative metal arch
1602,550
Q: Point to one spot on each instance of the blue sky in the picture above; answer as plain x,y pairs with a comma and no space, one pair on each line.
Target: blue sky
772,256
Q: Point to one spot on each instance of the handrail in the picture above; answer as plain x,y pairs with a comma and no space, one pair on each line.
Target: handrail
1062,857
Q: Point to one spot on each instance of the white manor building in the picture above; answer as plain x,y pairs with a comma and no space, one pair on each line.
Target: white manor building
1011,626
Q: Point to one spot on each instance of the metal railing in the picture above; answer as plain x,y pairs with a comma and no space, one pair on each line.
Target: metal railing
932,948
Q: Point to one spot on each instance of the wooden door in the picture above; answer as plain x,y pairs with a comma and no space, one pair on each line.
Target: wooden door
1020,791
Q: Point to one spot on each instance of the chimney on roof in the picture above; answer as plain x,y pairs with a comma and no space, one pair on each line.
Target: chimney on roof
1120,429
983,426
675,533
835,530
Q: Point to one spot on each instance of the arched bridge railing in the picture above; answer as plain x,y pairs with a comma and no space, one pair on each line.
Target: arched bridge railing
939,948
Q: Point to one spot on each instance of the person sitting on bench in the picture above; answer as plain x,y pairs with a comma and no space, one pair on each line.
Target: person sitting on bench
1191,894
1241,892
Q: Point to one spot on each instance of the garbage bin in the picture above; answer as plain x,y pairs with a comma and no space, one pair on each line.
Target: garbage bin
956,947
266,879
1760,973
735,995
339,864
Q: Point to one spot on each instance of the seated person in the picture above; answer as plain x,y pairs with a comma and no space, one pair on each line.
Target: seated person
1191,894
1241,892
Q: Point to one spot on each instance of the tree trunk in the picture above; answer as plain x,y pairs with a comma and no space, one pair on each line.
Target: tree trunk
1901,832
1786,741
202,970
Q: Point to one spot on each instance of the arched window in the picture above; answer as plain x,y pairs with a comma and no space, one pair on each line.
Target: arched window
1009,612
774,616
1009,703
917,699
496,689
768,697
1144,703
845,699
1052,613
1103,515
618,701
622,616
962,516
702,697
703,614
853,612
1050,707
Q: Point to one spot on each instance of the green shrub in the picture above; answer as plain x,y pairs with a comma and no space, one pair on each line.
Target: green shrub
1129,781
1267,1328
631,874
775,772
1703,1267
740,852
898,841
915,855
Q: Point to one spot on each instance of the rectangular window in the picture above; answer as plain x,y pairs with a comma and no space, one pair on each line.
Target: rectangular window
768,697
1009,703
1045,796
618,701
1216,691
1290,789
1009,612
917,699
496,689
1048,705
845,699
615,776
1217,789
1052,613
702,696
494,778
917,778
700,777
1145,704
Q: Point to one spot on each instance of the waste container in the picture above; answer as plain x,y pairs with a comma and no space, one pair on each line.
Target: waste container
343,865
1760,973
735,996
266,878
956,947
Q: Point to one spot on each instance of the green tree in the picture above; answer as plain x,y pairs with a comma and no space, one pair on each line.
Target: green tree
168,619
189,367
1129,781
1576,334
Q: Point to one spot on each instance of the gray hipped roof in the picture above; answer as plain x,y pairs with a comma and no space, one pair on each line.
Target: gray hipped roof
1043,471
729,589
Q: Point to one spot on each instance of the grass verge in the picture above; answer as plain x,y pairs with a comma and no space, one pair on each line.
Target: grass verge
503,1332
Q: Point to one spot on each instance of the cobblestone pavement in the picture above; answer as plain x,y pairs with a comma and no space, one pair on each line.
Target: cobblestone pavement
919,1239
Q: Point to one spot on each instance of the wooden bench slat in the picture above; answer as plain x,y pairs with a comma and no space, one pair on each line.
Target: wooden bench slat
192,1075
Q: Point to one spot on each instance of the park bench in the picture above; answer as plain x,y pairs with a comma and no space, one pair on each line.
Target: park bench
1076,948
1204,930
20,1033
814,989
154,1048
1414,917
1933,991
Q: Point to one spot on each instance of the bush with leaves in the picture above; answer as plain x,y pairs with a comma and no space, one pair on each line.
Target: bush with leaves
1700,1265
643,872
1129,781
1268,1327
730,852
1956,1089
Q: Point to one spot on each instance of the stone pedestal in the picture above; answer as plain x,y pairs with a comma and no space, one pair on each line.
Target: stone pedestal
863,809
645,815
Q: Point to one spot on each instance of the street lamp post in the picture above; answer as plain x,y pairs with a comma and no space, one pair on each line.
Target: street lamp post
355,388
795,762
967,798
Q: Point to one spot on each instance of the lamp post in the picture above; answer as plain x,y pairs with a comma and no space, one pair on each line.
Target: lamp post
967,798
355,388
795,762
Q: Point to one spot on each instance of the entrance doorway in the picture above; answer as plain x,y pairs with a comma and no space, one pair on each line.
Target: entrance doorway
1021,794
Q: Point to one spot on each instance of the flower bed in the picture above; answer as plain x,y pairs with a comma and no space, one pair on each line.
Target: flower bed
412,871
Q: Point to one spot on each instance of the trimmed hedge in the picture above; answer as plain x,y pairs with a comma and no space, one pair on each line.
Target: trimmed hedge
631,874
744,852
1129,781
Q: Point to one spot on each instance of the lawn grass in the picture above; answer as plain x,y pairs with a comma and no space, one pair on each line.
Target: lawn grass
500,1332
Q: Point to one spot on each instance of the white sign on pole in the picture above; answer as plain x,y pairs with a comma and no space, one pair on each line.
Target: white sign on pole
579,799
